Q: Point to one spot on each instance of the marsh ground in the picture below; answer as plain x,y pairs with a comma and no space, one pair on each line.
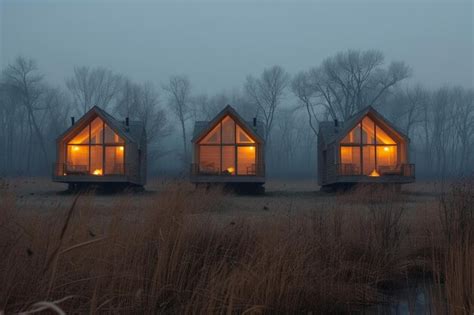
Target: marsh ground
176,248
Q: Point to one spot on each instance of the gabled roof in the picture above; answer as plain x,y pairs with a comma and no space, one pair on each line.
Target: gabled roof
330,133
201,128
133,132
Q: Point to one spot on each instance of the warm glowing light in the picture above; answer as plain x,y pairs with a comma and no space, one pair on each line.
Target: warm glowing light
374,173
97,172
75,148
386,149
251,148
230,170
121,148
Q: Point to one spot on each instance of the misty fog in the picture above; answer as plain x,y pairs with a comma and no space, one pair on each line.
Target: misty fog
60,58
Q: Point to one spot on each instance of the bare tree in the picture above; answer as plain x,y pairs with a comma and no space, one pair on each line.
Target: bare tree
267,93
91,87
406,107
141,102
307,99
463,121
23,81
179,90
349,81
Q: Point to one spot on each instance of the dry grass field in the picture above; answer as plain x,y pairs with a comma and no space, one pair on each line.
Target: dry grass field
177,249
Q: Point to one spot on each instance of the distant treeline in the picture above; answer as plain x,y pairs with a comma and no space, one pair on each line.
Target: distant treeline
440,122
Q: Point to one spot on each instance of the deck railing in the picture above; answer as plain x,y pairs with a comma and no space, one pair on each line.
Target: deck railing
64,169
252,170
405,170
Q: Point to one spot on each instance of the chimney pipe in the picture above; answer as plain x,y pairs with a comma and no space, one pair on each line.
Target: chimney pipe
126,122
72,121
255,121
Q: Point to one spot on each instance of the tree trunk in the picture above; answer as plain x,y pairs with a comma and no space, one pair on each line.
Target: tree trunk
185,150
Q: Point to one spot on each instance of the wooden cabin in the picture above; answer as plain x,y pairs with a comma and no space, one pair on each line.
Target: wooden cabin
99,149
366,148
229,150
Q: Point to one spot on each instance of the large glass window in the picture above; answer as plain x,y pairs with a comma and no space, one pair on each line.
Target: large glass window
350,160
227,150
353,137
114,160
246,160
95,150
368,150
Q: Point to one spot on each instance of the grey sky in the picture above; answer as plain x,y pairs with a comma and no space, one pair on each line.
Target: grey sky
218,43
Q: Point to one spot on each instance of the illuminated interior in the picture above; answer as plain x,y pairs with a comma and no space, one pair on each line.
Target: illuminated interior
368,150
227,150
96,150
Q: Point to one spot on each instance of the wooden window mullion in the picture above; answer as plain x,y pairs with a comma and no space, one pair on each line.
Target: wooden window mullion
235,148
220,167
375,145
361,153
89,167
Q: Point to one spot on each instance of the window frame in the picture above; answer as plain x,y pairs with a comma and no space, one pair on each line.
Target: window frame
221,144
104,145
375,145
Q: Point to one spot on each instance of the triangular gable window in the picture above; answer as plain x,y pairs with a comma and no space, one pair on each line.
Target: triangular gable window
382,137
243,137
95,132
111,137
82,137
370,130
353,137
213,137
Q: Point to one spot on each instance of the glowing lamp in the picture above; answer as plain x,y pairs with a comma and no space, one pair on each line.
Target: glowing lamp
251,148
230,170
386,149
121,148
75,148
97,172
374,173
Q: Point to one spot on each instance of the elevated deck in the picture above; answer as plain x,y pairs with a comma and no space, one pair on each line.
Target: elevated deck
227,179
254,175
342,174
62,174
